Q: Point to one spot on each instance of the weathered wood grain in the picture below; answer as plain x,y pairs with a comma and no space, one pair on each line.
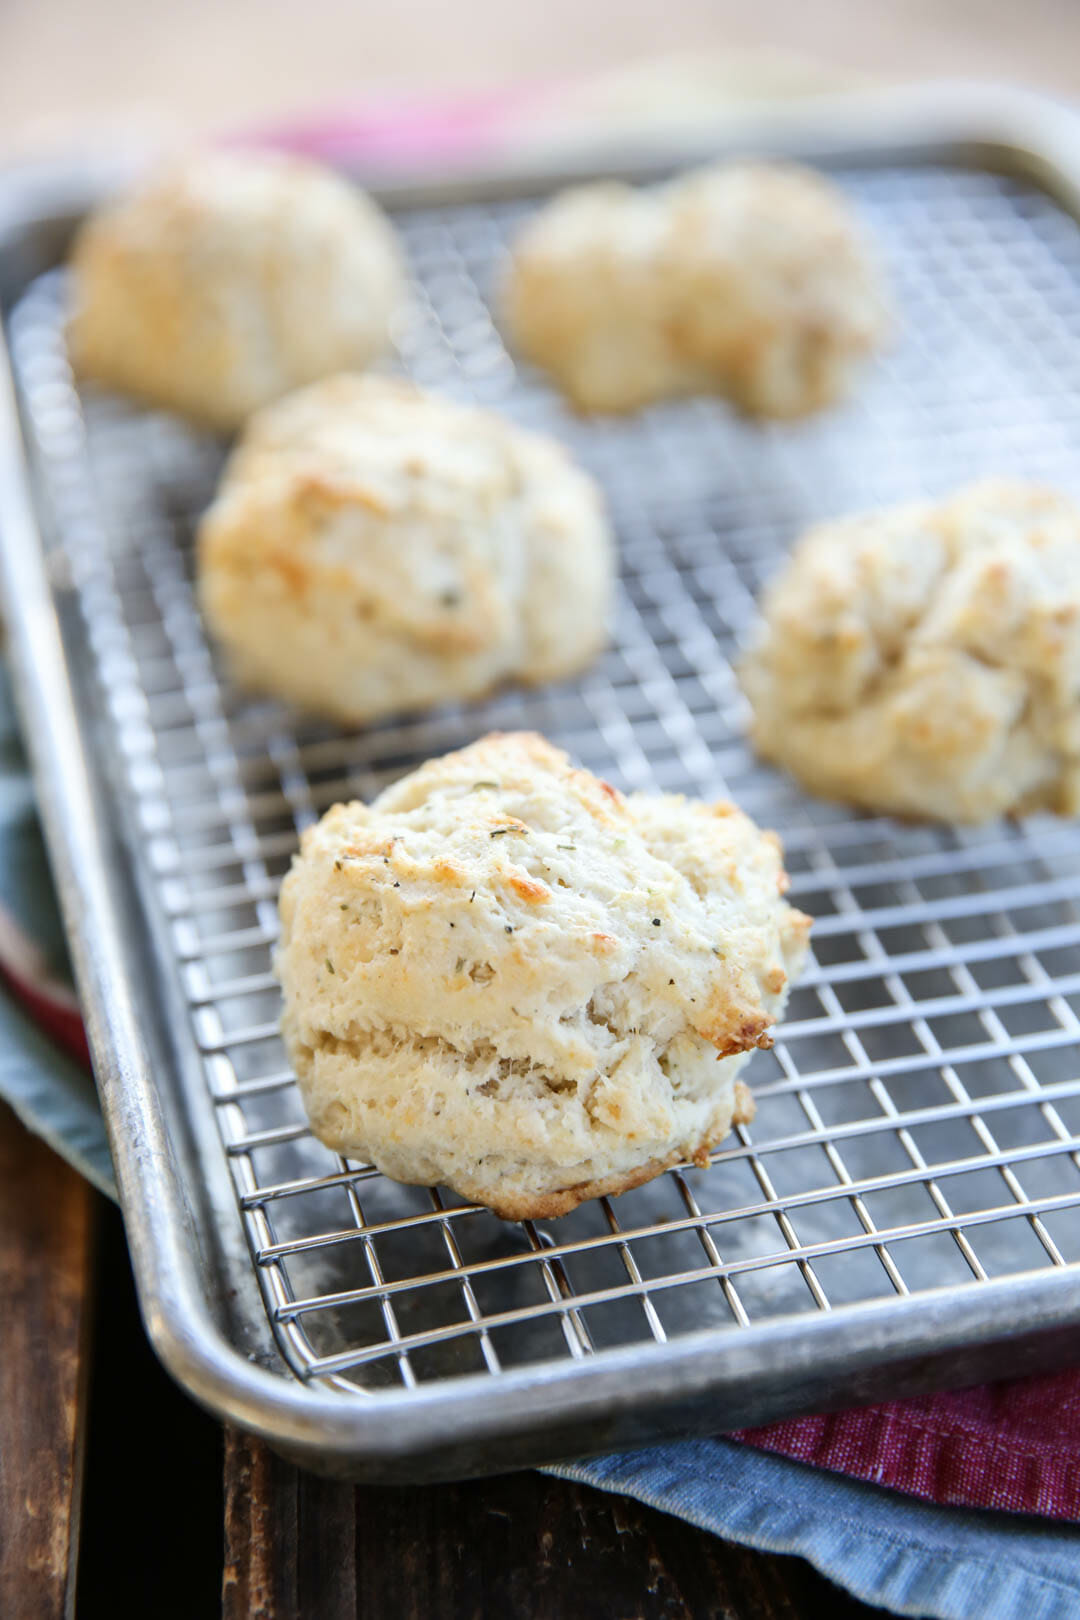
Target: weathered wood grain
523,1547
47,1221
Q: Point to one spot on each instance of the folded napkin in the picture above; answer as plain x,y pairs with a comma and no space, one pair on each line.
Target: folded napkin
1011,1447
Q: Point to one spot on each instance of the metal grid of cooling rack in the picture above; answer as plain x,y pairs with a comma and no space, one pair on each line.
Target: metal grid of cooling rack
919,1118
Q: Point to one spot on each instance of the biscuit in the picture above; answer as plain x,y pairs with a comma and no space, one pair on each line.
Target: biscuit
773,292
925,661
505,976
750,280
374,549
585,301
227,281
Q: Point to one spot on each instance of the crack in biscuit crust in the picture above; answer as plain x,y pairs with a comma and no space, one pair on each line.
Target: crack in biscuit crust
926,660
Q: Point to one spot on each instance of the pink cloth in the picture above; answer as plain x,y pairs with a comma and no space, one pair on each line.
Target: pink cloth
400,132
1013,1446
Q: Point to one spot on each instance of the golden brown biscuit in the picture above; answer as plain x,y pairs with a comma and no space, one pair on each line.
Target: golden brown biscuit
230,279
505,976
375,549
747,279
926,660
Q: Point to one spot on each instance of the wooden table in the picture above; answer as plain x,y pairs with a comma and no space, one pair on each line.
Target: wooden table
522,1546
94,1429
48,1225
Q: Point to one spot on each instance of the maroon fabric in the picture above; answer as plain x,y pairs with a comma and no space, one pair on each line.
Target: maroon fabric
1013,1446
51,1014
50,1003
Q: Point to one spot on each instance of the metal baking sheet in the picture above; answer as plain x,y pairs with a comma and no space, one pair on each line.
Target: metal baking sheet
905,1209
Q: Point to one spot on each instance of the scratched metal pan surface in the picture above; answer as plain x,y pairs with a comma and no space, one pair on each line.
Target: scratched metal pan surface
905,1210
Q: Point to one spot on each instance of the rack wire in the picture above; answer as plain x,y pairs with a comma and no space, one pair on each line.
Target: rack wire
918,1120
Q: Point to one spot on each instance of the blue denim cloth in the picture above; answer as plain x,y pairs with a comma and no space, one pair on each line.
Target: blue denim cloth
887,1549
908,1556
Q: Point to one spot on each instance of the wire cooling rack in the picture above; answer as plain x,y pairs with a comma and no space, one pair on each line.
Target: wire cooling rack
918,1121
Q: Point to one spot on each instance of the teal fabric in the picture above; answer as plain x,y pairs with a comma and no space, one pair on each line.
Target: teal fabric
908,1556
905,1555
51,1092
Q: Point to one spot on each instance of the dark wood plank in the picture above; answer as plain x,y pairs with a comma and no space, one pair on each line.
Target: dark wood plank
151,1528
522,1545
47,1222
289,1539
258,1581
